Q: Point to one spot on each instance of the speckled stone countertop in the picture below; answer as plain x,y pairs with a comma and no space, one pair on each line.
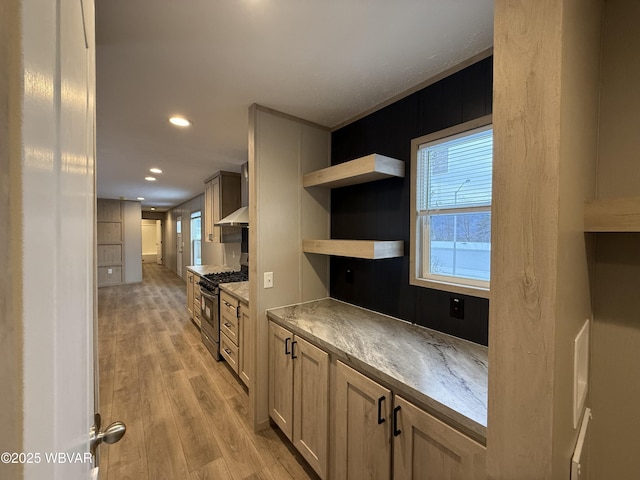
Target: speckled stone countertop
442,374
205,269
237,289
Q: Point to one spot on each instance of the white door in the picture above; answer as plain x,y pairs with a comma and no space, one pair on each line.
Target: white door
58,240
159,242
179,245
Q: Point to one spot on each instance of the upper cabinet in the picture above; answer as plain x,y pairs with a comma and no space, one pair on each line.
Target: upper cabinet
221,197
365,169
612,215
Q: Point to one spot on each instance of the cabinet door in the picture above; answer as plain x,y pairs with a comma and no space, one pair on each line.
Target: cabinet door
428,449
362,427
311,403
190,293
281,378
208,215
246,345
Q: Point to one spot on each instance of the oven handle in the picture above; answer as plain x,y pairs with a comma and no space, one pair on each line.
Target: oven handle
210,296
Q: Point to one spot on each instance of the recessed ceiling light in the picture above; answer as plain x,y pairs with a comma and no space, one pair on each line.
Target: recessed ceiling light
155,170
153,208
140,198
150,179
180,121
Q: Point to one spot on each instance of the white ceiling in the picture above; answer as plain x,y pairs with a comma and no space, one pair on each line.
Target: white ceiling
325,61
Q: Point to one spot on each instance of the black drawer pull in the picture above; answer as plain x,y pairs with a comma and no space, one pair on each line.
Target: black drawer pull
293,355
396,431
286,346
228,351
227,324
380,418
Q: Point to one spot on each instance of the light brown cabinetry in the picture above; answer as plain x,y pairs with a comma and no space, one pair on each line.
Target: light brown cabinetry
229,344
193,296
221,197
235,335
362,427
299,394
246,340
368,422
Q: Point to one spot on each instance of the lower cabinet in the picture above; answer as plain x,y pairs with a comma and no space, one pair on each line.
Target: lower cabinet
247,349
370,425
299,394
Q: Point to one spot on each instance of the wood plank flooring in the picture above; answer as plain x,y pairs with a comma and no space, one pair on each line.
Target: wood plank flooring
186,414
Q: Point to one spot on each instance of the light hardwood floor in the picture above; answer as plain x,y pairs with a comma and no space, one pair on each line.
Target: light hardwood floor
186,414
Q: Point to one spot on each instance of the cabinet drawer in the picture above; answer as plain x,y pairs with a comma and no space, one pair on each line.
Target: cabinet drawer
229,351
229,326
229,317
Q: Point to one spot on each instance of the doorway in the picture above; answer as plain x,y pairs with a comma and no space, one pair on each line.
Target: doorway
152,241
179,245
196,238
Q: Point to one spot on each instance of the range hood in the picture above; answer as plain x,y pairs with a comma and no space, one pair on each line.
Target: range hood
239,218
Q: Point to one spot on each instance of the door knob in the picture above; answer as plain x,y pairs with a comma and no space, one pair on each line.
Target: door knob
112,434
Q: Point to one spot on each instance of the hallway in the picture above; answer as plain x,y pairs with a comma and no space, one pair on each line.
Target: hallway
186,414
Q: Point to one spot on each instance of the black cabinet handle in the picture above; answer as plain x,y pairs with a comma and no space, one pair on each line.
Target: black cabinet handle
286,346
396,431
380,418
293,355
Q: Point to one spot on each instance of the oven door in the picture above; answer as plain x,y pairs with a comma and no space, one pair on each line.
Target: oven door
210,322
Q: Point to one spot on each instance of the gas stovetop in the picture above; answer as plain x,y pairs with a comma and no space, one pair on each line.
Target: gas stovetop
210,281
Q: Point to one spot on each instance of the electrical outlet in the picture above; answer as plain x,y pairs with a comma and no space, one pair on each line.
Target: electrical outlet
109,271
268,279
349,276
456,307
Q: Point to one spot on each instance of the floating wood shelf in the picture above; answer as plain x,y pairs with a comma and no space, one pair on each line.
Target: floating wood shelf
371,249
361,170
612,215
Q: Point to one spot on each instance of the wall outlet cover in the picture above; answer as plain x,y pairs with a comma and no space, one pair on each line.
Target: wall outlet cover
456,307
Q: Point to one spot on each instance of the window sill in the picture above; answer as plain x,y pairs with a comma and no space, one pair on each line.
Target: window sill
461,289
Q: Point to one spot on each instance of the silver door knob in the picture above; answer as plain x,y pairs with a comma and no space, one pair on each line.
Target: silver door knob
112,434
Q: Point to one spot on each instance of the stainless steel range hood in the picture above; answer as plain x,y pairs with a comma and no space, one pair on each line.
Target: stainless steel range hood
239,218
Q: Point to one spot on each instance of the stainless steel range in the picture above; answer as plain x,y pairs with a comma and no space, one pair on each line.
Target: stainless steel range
210,306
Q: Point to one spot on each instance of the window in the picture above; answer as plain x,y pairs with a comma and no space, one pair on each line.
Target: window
451,222
196,238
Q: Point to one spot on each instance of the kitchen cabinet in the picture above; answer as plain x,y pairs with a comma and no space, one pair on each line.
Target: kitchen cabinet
365,169
299,394
362,426
245,369
369,421
193,296
229,338
221,197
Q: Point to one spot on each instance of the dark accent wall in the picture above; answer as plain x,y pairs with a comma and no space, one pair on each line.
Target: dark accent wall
381,210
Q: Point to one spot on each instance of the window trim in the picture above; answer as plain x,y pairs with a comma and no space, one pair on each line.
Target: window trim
448,284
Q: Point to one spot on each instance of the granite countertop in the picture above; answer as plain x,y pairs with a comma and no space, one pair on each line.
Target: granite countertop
206,269
440,373
239,290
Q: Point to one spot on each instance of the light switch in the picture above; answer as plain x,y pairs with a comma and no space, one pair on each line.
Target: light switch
109,271
268,279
